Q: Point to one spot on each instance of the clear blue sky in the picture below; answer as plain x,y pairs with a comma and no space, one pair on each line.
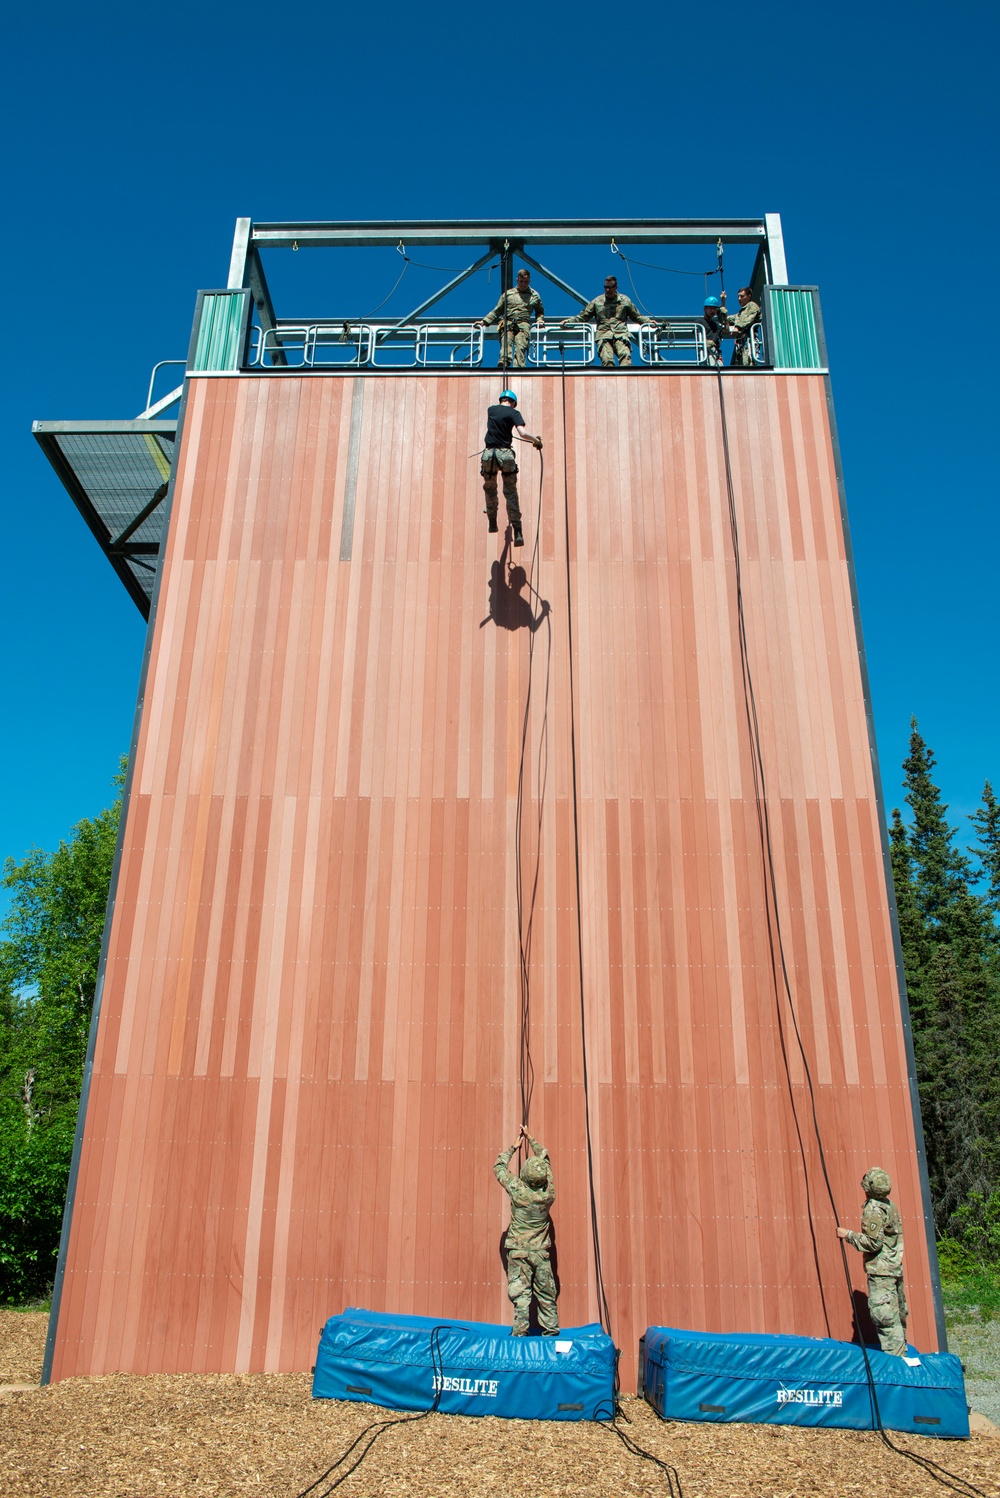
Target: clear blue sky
136,137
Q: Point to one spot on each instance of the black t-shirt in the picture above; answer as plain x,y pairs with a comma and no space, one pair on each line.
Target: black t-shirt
500,423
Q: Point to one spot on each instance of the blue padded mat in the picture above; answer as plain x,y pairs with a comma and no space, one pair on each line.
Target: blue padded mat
800,1381
481,1369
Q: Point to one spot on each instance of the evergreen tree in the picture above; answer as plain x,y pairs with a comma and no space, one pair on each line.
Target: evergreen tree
914,940
987,824
950,959
48,976
940,871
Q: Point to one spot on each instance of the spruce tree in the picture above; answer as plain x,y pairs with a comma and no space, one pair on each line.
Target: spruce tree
941,872
950,957
987,824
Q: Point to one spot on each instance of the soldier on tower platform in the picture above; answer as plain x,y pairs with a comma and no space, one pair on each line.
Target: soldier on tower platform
514,312
612,314
741,325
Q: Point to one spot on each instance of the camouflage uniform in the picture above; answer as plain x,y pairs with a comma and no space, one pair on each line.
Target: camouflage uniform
716,321
612,317
502,458
514,311
744,320
528,1242
881,1242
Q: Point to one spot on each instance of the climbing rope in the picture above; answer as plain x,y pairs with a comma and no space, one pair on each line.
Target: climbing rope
782,981
604,1314
378,1428
525,928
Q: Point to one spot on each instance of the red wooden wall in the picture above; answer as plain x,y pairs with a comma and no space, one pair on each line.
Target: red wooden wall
307,1058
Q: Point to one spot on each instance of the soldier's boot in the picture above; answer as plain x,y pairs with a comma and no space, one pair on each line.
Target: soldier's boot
491,520
518,535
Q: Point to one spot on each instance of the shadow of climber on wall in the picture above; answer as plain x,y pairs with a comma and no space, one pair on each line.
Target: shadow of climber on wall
509,608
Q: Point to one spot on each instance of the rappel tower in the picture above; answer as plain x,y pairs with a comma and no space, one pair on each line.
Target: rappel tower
424,836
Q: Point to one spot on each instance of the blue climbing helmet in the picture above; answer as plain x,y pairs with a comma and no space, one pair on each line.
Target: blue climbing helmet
712,301
508,395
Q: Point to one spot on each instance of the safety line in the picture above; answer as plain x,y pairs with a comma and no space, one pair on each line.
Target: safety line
390,296
940,1474
604,1314
603,1310
526,1070
672,1475
377,1428
505,339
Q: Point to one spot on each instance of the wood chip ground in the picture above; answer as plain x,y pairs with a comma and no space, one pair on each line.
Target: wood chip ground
261,1434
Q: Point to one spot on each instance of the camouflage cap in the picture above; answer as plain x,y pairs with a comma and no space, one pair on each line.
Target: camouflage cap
876,1182
534,1172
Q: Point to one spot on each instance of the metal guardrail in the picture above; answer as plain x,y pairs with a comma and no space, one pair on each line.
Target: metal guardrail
672,341
554,344
680,342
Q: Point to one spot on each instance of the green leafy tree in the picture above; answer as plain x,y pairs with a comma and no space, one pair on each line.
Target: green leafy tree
48,974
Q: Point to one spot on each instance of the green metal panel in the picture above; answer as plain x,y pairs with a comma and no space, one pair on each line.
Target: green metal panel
794,340
220,331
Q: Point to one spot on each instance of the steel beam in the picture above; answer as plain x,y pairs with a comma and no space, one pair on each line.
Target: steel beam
462,276
161,405
118,544
238,259
88,428
533,231
257,282
776,250
551,276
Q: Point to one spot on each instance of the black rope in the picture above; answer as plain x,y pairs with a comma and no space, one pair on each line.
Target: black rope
378,1427
669,270
391,294
778,959
604,1313
417,264
506,338
526,1070
672,1475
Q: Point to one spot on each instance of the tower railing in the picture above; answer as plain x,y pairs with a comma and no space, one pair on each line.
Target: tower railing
459,343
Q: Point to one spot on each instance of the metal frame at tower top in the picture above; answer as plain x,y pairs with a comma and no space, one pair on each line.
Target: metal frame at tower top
245,268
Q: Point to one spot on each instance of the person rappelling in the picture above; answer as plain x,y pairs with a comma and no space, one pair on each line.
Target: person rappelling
498,454
529,1237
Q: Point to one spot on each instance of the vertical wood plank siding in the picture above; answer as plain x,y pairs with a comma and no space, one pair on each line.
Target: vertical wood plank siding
308,1053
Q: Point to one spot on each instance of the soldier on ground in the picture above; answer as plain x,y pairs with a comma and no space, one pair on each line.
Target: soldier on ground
612,314
498,454
529,1237
514,312
881,1242
741,326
